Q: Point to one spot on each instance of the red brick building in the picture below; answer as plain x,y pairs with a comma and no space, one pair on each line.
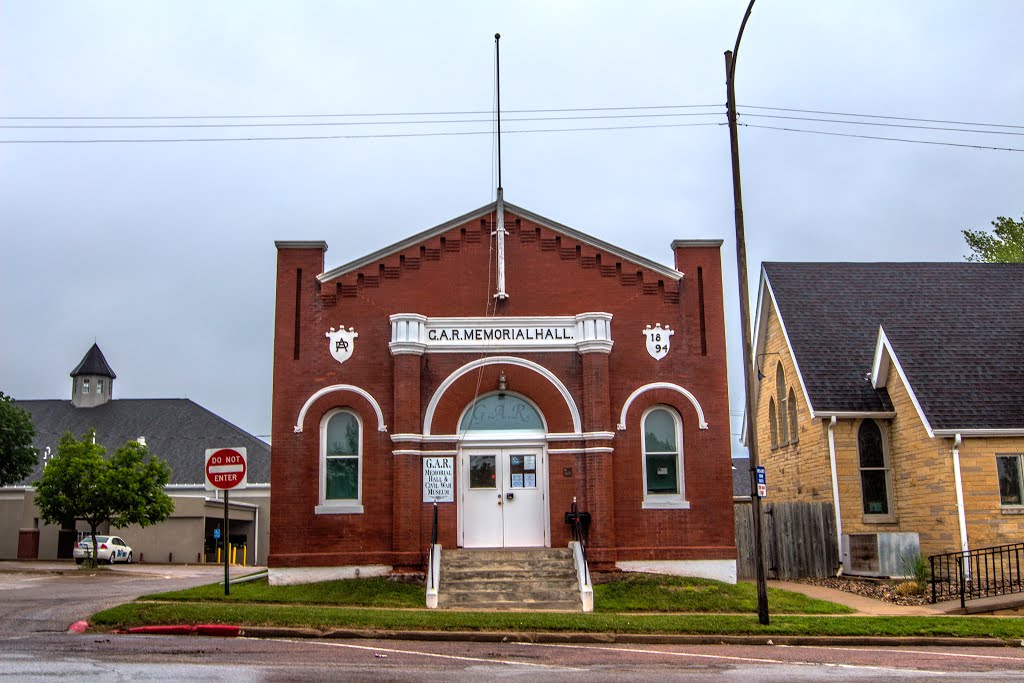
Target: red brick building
504,376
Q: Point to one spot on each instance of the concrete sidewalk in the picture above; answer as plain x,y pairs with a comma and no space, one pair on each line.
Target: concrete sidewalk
865,605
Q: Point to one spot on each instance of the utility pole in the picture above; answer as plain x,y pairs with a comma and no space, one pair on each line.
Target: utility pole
748,356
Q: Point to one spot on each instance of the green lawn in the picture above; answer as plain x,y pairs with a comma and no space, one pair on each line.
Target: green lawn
633,593
659,593
635,604
328,618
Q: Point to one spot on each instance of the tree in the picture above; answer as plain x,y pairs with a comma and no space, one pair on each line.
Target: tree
17,456
81,483
1005,245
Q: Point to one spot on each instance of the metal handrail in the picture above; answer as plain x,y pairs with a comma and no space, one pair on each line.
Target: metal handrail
978,573
433,543
578,536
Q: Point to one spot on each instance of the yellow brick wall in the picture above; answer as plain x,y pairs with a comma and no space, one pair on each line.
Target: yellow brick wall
923,498
796,472
988,523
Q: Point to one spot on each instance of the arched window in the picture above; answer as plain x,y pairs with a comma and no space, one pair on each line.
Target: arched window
875,482
794,430
501,412
663,459
341,453
780,394
773,426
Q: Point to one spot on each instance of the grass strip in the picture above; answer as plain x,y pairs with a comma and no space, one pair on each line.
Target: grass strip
371,592
635,593
324,618
660,593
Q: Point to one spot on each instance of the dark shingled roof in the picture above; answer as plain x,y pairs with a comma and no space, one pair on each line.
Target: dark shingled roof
957,330
94,364
176,430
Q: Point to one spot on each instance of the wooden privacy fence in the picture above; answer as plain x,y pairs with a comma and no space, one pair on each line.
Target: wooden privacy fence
799,540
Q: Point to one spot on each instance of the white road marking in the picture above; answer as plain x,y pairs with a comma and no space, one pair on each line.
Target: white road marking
758,660
426,654
1019,660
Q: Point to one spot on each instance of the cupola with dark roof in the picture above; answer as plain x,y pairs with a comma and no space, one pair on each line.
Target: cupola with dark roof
92,381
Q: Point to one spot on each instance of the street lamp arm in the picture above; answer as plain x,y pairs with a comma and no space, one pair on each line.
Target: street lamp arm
739,37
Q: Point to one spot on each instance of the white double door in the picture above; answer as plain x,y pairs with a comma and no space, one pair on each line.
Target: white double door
503,501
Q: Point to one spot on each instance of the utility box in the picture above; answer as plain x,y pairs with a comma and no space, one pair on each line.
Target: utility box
889,554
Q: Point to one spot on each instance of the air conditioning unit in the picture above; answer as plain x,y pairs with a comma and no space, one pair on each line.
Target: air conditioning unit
888,554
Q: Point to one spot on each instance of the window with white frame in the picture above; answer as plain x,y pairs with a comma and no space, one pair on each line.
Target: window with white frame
85,386
99,387
341,484
875,478
1011,483
663,459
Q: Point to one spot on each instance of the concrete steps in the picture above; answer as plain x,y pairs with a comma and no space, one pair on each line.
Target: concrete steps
509,579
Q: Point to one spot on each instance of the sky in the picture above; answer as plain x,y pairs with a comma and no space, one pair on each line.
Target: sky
163,252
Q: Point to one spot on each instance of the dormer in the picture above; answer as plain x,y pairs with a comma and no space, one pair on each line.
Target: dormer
92,382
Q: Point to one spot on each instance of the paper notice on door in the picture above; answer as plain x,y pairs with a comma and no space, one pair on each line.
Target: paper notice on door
517,481
531,463
531,481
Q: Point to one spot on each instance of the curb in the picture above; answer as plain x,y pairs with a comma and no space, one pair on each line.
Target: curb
547,637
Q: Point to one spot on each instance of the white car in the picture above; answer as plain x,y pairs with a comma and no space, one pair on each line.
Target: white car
111,549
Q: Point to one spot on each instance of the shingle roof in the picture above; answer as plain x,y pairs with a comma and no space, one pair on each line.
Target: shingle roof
176,430
94,364
957,330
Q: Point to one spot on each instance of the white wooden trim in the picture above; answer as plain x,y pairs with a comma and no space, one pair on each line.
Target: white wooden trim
381,427
883,342
702,423
428,418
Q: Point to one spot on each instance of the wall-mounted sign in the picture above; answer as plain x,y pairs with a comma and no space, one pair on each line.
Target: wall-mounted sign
658,340
342,343
414,333
439,479
762,483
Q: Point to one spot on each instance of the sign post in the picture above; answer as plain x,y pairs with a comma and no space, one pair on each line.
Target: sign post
226,469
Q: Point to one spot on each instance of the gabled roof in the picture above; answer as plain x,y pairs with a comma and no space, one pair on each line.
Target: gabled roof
94,364
956,331
176,430
484,211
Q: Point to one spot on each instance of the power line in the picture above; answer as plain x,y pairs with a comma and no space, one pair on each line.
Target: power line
359,137
871,123
878,137
368,115
880,116
343,123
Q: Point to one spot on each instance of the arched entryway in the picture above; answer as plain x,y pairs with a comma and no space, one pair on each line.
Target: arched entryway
503,474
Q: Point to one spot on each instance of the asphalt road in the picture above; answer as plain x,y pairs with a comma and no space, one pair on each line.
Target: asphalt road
42,597
100,657
37,607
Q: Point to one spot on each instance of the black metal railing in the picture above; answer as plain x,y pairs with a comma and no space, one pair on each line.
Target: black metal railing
978,573
433,542
580,524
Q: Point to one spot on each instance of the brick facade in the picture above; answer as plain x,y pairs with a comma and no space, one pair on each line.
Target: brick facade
421,395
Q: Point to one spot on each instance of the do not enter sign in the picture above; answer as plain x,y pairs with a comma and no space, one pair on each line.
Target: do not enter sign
225,469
